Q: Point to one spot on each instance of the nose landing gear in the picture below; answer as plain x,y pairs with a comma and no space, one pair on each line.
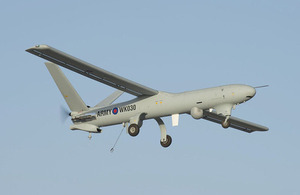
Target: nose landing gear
226,123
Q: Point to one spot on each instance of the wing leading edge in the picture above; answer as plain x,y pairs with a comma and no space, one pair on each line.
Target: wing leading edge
91,71
235,123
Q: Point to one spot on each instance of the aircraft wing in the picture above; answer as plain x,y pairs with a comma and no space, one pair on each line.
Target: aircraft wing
91,71
235,123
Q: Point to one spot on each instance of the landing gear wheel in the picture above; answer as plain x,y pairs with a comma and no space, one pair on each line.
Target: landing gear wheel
225,124
166,143
133,130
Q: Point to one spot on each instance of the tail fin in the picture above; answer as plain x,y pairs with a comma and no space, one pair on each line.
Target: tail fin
70,95
110,99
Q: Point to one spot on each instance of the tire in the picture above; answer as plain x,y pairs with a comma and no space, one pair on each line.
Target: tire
225,125
166,143
133,130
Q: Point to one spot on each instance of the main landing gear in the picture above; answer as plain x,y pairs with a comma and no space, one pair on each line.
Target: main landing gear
166,143
133,130
165,140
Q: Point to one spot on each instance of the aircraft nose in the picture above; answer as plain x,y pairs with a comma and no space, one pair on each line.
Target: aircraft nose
250,92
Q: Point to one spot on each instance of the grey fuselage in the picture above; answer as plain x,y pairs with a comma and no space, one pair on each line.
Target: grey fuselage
222,99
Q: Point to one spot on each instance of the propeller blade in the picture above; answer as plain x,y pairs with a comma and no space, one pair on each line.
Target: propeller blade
64,114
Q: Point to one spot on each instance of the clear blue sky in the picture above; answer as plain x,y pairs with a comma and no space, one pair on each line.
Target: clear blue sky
172,46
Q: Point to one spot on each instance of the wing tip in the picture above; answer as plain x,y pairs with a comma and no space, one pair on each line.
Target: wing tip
42,46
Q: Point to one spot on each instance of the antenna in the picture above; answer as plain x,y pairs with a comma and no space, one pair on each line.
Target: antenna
261,86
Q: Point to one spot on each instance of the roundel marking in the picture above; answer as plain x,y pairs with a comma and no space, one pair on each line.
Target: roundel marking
115,111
